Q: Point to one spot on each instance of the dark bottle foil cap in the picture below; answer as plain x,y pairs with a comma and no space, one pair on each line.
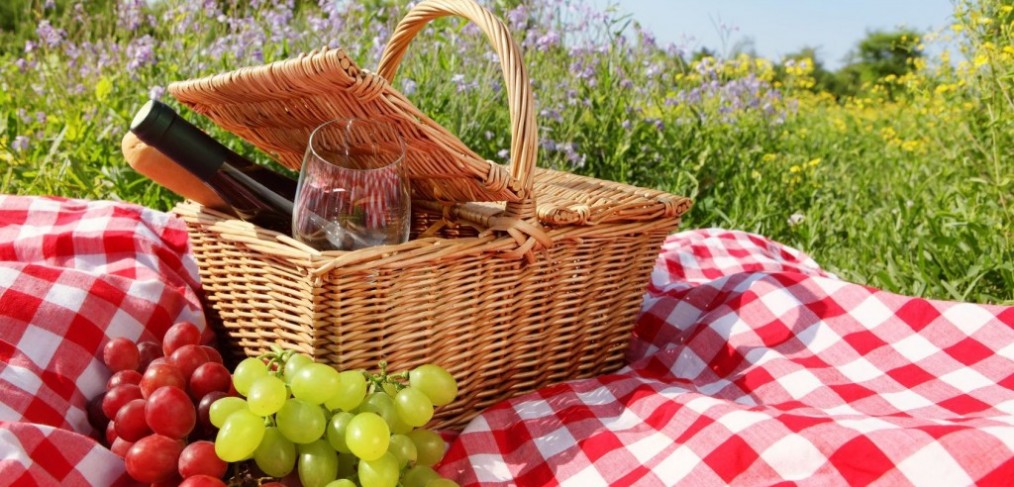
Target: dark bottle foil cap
159,126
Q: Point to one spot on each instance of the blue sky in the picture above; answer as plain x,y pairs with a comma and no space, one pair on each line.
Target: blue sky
779,27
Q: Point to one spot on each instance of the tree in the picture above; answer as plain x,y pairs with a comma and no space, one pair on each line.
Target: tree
879,55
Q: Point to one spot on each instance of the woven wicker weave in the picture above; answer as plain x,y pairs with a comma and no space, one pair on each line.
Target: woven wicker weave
514,278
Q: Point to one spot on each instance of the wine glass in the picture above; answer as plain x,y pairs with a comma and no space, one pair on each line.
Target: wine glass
353,191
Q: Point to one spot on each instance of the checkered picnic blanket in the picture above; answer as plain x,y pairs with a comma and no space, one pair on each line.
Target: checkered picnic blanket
74,274
749,366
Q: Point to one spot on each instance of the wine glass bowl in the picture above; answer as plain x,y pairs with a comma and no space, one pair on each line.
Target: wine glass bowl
353,190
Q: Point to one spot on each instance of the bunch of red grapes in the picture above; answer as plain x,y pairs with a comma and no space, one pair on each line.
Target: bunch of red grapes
155,408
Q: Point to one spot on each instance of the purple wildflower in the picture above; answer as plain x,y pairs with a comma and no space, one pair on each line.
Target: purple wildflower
408,86
49,5
141,53
30,46
131,13
547,40
49,35
156,92
41,117
20,143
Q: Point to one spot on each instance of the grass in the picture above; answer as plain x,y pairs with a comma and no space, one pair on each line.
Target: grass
904,187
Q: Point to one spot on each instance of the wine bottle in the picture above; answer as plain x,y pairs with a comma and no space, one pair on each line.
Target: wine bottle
256,194
154,165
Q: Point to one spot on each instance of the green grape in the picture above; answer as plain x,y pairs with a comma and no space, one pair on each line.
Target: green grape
435,382
429,445
247,372
267,395
276,455
341,483
382,472
420,476
314,383
336,431
221,409
239,436
350,392
383,405
403,449
318,464
347,464
442,482
414,407
300,421
294,363
390,389
367,436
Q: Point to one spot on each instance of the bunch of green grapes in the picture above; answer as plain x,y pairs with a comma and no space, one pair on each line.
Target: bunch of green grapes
337,429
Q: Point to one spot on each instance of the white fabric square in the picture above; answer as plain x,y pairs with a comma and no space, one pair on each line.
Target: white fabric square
39,345
124,325
648,447
799,383
906,400
966,379
860,370
490,467
933,465
554,442
736,421
968,318
793,457
68,297
95,466
678,465
818,337
915,348
871,312
21,378
780,301
588,475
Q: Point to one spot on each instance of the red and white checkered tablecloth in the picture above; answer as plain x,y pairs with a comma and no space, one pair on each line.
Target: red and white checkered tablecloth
749,366
74,274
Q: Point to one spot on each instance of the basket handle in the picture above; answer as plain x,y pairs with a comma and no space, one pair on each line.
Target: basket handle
519,92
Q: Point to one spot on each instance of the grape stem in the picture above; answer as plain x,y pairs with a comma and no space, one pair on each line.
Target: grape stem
377,381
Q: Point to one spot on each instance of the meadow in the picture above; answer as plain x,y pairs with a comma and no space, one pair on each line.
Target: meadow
904,185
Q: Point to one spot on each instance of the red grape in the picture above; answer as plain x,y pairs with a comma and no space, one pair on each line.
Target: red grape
117,397
199,458
149,351
120,447
96,417
173,481
210,376
111,435
159,375
121,354
124,377
130,422
188,358
153,458
182,333
213,355
170,412
202,481
204,408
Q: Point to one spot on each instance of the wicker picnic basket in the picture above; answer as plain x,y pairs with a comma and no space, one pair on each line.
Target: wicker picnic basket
514,278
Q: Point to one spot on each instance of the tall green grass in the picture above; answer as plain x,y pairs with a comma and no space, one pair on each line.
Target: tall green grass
905,187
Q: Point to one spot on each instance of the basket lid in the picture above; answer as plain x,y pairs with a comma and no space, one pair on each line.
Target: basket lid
276,106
